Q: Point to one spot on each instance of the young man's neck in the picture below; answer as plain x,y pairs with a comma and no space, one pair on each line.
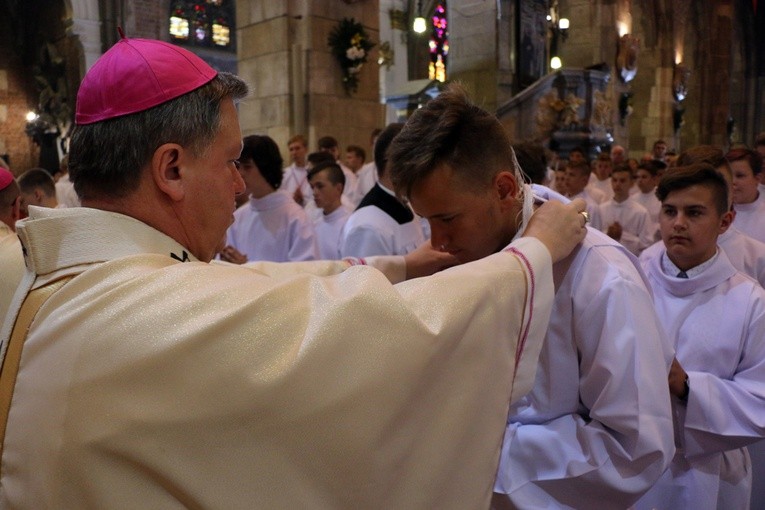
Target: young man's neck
688,265
385,181
331,208
516,221
261,192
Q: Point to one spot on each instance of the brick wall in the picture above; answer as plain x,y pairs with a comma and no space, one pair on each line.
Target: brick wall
18,95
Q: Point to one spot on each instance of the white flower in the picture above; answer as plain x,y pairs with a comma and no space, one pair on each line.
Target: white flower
355,53
355,69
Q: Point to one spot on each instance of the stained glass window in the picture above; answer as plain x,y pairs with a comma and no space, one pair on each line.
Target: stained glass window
207,23
179,28
439,44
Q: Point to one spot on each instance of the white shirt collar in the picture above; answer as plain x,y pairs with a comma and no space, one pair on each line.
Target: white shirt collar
670,269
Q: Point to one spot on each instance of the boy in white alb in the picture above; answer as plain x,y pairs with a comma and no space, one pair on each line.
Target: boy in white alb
382,224
295,181
271,226
625,220
355,160
367,175
715,316
745,253
329,145
646,180
600,177
746,166
577,177
596,429
327,181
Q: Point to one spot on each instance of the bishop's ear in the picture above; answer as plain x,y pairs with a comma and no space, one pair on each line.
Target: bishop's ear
16,212
166,169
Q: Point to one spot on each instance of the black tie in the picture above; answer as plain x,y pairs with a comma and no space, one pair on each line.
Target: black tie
682,274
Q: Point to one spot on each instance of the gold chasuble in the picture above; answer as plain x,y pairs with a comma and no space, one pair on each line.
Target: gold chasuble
152,380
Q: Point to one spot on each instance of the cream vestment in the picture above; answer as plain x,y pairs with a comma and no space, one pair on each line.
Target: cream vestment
152,380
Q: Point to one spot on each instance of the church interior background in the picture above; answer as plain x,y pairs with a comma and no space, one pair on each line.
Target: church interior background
559,72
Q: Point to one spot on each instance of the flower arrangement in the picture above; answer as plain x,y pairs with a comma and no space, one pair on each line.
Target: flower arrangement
350,45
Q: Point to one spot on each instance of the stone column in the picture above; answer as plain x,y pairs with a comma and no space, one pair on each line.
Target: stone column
652,99
296,82
265,37
473,49
86,26
714,74
394,32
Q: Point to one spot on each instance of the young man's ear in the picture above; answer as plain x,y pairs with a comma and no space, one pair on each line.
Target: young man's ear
166,169
725,222
506,185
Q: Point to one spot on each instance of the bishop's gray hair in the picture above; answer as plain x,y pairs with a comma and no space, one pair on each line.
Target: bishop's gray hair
106,158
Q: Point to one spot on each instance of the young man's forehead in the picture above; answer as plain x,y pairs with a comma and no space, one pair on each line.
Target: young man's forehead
691,195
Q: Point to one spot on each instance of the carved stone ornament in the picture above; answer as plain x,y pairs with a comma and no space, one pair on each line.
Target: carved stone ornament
602,110
626,57
680,75
549,107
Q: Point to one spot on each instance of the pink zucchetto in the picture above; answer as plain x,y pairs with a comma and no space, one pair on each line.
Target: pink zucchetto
138,74
6,178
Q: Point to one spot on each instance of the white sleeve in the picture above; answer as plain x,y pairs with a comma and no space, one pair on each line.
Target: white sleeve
302,239
645,232
364,241
727,413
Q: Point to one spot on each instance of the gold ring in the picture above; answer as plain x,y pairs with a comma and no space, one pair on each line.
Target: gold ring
586,217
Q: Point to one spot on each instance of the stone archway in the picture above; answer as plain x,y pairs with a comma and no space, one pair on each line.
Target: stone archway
84,23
